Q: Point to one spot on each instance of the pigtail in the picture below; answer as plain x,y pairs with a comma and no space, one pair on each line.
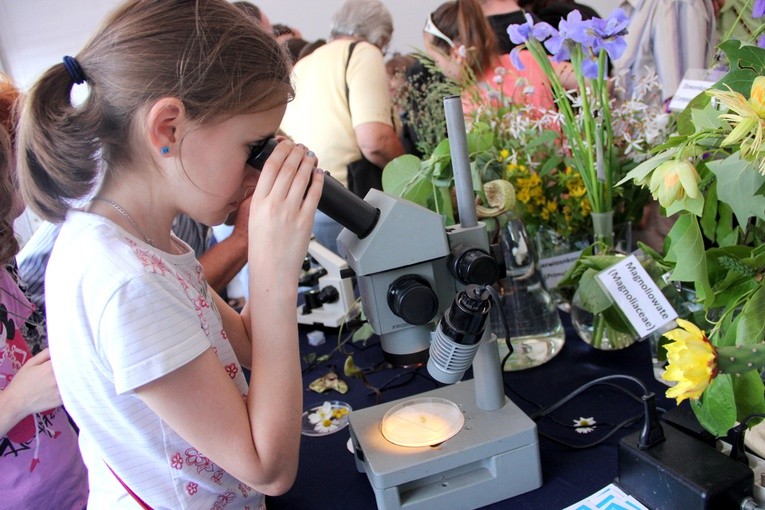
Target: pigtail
9,246
208,54
57,148
9,96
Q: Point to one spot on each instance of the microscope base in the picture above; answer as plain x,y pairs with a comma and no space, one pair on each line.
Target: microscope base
494,457
324,316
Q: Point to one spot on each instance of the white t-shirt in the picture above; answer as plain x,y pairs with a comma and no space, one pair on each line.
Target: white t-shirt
122,314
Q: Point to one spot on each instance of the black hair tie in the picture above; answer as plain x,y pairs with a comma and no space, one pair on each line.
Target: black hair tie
74,69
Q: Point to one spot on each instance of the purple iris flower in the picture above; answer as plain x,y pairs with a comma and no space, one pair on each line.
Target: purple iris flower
579,31
761,41
542,31
555,44
759,9
515,58
609,34
590,66
520,33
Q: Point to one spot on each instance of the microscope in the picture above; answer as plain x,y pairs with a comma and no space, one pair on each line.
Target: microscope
424,292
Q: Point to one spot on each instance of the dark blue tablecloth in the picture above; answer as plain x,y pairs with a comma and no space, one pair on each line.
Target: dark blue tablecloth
327,475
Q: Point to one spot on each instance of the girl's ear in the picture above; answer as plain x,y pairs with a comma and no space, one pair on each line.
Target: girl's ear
163,121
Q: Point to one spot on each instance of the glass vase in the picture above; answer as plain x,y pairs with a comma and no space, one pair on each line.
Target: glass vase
556,255
606,330
535,328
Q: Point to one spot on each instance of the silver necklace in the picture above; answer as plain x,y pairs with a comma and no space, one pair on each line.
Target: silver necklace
117,207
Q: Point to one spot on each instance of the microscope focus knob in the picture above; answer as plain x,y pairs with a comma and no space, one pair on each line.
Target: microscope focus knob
475,266
411,298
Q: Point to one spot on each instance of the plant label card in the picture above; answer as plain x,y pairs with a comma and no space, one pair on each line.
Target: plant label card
694,82
637,296
610,497
554,268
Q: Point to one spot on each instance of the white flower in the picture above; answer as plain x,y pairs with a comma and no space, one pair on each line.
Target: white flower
462,51
585,425
321,414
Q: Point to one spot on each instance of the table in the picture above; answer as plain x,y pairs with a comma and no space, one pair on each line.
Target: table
327,475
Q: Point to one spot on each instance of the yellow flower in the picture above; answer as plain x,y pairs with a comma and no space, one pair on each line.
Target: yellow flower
692,361
586,206
503,155
748,121
672,180
757,96
522,194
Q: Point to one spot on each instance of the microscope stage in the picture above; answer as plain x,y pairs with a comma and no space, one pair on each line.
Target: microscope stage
494,457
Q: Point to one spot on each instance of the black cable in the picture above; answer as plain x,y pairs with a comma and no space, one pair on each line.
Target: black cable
617,427
738,449
545,411
503,319
652,432
412,374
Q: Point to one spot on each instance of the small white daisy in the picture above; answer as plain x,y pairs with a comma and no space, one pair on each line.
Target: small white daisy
585,425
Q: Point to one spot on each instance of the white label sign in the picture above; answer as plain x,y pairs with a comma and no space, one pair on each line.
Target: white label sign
694,82
554,268
687,90
637,296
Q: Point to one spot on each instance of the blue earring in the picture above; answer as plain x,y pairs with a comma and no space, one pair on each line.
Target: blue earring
165,150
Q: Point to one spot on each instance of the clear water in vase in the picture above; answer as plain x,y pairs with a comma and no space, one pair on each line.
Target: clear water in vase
536,332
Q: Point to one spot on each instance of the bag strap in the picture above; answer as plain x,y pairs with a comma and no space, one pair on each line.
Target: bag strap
347,63
138,500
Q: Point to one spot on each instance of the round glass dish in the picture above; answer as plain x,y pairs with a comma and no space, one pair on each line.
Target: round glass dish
424,421
326,418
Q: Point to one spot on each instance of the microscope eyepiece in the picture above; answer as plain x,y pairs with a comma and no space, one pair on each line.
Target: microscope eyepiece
336,201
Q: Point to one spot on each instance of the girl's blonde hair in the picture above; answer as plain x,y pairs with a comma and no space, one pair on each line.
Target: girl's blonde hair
207,53
9,95
463,22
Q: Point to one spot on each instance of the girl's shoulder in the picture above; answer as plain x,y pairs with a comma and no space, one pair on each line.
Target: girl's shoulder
96,248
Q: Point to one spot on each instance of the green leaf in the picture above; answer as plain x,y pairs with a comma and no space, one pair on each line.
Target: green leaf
709,215
399,172
686,250
692,205
744,56
749,392
364,332
716,410
590,294
443,205
685,125
738,182
751,326
707,118
726,234
640,172
730,288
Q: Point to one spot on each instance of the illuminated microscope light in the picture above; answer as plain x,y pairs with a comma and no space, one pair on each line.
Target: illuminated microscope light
422,422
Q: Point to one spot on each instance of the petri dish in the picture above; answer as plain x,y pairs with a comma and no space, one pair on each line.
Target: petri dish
326,418
424,421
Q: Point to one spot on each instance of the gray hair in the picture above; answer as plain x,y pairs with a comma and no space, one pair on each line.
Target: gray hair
367,19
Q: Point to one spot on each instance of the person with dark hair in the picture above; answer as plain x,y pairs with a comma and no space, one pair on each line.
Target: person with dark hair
147,356
501,14
41,463
295,45
462,44
254,12
311,47
553,11
343,87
